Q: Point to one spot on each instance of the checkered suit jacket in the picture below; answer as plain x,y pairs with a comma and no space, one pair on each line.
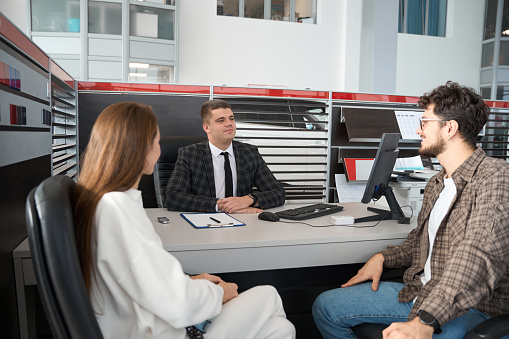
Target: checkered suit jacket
191,185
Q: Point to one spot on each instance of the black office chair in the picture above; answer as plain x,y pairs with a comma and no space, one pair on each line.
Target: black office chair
50,228
166,163
493,328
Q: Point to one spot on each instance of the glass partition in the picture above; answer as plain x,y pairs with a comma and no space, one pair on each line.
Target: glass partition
152,22
487,54
228,7
254,9
104,17
280,10
150,73
55,15
305,12
164,2
503,59
505,19
486,92
490,18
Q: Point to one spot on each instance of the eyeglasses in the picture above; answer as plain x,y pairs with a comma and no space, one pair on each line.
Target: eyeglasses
422,121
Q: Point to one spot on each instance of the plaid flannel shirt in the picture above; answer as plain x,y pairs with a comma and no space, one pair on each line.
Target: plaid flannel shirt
470,258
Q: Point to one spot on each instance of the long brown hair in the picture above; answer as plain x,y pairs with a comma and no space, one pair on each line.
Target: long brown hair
113,161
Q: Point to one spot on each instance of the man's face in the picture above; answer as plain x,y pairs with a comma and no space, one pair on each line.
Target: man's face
221,127
433,141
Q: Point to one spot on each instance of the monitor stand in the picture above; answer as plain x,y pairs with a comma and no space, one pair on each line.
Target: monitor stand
395,213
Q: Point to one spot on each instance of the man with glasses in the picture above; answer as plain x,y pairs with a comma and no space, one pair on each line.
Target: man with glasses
457,257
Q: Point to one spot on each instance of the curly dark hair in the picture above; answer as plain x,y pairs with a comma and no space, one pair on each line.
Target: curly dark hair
462,104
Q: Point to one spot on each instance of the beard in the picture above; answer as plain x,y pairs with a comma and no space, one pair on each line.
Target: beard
434,150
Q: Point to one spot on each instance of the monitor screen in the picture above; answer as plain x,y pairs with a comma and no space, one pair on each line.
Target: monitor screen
378,182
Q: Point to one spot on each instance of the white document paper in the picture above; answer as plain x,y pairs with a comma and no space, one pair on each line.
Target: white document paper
209,220
408,122
349,191
410,163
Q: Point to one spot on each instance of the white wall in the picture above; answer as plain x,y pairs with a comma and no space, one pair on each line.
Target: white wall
339,53
426,62
233,51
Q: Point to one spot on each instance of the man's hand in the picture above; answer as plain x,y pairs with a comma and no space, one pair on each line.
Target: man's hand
234,204
249,210
372,270
412,329
213,278
230,291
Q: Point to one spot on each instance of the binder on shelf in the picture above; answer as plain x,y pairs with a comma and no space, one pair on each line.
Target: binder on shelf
211,220
358,168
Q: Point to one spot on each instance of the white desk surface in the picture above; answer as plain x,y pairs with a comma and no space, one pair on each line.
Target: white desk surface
262,245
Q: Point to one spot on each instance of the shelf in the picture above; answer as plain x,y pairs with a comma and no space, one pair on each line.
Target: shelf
64,126
60,147
71,174
64,114
60,136
61,158
11,90
59,124
63,168
65,89
63,102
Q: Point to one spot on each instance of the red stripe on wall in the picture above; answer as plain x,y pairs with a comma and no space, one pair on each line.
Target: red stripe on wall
271,92
374,97
134,87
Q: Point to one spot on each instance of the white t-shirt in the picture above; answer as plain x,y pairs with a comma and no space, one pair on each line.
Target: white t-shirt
435,218
141,290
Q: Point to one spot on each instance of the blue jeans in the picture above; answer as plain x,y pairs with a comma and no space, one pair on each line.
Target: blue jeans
337,311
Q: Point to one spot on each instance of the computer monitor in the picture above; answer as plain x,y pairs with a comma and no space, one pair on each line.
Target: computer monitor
378,183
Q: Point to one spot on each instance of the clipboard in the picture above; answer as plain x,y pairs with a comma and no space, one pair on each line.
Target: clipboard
211,220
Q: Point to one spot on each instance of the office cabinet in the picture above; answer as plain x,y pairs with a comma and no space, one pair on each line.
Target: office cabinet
64,123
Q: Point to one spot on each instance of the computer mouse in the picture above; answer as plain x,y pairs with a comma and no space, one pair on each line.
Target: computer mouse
268,216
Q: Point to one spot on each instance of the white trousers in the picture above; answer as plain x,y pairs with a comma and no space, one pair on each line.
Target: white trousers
255,313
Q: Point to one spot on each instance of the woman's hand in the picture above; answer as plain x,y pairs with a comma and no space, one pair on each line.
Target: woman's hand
230,291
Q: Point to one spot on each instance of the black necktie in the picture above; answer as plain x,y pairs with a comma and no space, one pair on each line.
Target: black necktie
228,181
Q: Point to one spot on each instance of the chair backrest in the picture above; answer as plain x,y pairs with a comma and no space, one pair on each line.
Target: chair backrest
50,228
166,163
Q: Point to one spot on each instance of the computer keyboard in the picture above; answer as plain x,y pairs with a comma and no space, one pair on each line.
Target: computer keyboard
308,212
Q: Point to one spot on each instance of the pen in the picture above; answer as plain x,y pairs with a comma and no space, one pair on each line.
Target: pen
220,225
215,220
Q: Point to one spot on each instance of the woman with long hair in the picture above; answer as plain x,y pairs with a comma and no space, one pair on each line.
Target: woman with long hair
137,289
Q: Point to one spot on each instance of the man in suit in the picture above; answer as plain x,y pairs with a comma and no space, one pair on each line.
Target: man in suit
218,174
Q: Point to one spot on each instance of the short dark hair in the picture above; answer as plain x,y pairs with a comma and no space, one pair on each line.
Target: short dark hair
209,106
462,104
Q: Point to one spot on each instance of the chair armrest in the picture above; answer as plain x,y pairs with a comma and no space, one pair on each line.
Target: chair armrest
493,328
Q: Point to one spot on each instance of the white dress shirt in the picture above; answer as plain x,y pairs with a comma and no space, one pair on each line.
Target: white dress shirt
218,162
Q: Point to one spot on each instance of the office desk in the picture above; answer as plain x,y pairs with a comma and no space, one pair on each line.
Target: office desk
258,246
263,245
